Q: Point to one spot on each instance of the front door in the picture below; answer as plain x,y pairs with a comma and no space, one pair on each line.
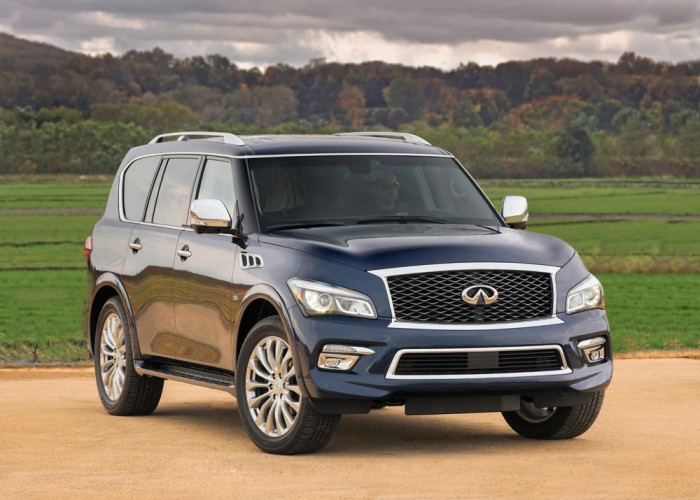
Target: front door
202,274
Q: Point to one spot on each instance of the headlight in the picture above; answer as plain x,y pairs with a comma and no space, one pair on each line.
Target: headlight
316,298
586,295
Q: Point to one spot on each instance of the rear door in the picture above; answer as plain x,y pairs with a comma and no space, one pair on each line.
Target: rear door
147,271
202,274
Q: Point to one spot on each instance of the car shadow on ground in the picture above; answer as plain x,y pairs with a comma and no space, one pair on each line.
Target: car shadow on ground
386,431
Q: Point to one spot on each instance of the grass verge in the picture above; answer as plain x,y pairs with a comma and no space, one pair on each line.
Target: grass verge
40,315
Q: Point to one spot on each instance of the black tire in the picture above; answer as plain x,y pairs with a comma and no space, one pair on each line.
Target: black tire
138,395
281,401
564,422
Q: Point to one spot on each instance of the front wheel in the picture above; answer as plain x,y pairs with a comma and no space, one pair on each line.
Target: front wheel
554,422
277,416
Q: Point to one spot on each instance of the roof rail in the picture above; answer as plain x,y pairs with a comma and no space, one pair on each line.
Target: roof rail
390,135
225,137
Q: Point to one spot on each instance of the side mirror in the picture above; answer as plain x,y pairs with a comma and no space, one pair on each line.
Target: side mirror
514,211
209,214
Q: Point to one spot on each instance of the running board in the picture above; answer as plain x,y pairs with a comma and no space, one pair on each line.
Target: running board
191,375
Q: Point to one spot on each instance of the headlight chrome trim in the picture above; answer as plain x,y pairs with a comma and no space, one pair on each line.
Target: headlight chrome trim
577,299
316,298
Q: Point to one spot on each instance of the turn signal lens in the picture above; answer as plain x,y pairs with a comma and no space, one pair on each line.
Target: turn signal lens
87,249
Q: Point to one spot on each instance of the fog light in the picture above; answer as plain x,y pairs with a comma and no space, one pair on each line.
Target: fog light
341,357
593,349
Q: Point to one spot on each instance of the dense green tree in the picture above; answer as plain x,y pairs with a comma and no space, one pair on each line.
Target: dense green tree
465,115
688,143
575,145
606,112
541,84
539,117
406,94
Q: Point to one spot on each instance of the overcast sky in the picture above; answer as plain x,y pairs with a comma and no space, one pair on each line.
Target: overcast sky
442,33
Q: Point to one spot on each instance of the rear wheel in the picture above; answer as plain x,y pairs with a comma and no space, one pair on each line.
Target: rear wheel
277,416
563,422
122,390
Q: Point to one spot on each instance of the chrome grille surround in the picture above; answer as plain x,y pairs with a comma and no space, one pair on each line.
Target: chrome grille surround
551,319
495,372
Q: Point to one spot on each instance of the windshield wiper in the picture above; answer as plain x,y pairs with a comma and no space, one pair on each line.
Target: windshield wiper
490,228
307,224
401,219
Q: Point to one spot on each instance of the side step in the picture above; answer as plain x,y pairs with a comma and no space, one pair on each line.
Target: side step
189,374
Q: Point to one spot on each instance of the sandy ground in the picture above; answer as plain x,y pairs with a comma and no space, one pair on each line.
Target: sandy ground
57,442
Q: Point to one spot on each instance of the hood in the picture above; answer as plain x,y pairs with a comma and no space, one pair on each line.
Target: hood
382,246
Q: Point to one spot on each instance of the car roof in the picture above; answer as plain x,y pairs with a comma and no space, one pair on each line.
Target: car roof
286,145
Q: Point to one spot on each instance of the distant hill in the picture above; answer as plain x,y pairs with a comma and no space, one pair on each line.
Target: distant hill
539,117
18,54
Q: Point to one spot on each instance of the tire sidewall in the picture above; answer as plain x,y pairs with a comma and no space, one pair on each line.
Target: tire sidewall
264,442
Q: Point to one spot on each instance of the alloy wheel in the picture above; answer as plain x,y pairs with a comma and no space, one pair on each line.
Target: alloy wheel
113,356
272,392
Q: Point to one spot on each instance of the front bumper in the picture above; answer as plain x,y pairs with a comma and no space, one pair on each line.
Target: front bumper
367,383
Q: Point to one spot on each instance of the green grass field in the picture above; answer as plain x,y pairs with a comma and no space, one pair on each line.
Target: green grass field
584,200
650,268
45,228
627,237
40,316
653,312
34,196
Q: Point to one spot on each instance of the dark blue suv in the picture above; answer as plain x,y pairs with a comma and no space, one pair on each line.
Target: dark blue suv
312,276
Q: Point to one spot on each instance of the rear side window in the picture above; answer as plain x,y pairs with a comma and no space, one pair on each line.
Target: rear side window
173,199
137,183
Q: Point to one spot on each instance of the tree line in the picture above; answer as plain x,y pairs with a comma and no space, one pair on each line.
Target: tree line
63,112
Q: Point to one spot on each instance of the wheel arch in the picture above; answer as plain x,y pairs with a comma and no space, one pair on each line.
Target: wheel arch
108,285
260,302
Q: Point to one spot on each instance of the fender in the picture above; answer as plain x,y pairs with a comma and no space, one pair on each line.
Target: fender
263,291
111,280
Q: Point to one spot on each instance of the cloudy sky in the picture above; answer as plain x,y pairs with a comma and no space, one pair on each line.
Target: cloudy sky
442,33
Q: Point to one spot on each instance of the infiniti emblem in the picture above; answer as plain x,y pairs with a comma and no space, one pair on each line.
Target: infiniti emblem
479,295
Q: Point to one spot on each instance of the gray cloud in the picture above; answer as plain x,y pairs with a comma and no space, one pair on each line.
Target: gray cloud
271,31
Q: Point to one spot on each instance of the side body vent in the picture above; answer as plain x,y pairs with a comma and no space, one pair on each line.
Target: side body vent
250,260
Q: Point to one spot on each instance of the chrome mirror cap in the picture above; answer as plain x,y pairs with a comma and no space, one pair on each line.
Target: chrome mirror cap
209,214
515,212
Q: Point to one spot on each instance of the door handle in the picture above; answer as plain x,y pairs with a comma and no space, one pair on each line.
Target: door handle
184,252
136,245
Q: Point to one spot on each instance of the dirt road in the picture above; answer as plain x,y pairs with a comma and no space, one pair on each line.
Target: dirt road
57,442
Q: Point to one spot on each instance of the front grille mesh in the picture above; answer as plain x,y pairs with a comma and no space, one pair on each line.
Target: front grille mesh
436,297
479,362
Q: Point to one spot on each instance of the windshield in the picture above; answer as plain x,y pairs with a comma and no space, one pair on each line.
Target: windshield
309,191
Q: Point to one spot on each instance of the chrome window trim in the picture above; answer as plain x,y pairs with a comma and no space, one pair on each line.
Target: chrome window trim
470,266
397,357
122,216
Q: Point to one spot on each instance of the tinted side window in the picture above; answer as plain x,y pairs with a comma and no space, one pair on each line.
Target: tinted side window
217,183
173,199
137,183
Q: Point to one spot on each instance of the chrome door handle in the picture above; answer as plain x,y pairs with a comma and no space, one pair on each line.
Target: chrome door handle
136,245
184,252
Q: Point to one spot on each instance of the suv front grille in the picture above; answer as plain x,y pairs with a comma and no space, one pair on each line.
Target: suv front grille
436,297
465,363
